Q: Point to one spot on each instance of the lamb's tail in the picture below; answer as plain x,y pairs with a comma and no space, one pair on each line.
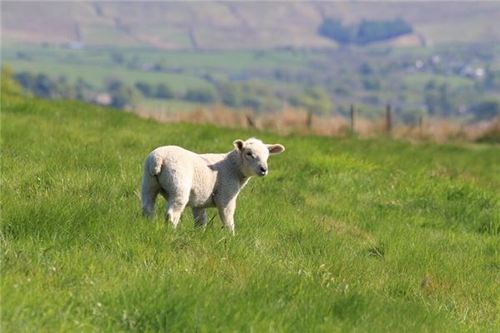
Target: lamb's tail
154,164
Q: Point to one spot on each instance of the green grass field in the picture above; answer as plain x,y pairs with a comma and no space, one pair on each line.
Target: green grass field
100,63
343,235
97,75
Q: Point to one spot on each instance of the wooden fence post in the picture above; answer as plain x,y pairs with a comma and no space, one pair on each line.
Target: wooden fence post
353,119
309,119
388,119
250,121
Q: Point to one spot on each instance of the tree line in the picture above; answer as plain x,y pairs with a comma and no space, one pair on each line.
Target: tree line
439,99
364,32
251,95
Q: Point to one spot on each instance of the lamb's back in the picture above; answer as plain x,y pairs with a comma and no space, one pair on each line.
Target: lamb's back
170,158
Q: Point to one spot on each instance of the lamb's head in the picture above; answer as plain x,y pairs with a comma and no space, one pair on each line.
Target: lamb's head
254,154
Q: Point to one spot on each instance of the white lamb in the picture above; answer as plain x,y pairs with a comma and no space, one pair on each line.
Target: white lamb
200,181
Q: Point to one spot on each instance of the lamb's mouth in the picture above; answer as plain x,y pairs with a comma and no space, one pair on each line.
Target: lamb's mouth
262,173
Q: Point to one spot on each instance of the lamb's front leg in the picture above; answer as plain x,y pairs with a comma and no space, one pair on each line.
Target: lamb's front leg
226,213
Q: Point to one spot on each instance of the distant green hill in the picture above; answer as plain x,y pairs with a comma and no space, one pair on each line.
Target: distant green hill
235,25
343,235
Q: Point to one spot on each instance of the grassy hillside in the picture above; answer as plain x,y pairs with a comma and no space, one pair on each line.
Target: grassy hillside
234,25
343,235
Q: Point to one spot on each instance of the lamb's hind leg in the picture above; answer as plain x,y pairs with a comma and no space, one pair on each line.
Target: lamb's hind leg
176,206
149,191
200,217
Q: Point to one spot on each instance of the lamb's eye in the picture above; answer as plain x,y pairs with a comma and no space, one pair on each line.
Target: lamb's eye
250,155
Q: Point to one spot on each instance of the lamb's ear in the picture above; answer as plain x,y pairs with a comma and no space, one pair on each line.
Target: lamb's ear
238,144
275,149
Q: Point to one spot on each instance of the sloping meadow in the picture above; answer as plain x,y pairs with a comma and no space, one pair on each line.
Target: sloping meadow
343,235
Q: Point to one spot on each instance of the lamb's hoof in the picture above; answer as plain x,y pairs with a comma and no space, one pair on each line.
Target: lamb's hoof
147,215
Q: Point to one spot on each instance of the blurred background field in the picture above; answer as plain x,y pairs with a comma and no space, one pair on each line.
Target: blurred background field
437,62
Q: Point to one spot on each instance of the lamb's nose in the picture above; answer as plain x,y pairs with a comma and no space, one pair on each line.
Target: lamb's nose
263,170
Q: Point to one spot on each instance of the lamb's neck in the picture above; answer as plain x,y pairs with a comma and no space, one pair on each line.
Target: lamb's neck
234,158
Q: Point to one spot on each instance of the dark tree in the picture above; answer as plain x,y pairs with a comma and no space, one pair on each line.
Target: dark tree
364,32
144,88
164,91
485,110
200,95
121,95
334,29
